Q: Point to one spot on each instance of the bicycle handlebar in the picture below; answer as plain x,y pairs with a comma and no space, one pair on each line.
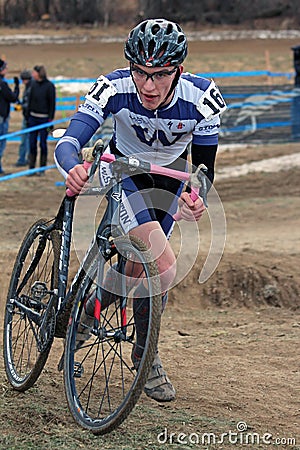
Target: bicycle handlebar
131,165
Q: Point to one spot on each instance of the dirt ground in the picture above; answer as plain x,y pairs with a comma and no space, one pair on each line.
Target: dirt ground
230,345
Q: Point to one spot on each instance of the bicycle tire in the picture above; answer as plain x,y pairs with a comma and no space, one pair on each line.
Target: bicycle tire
35,273
101,384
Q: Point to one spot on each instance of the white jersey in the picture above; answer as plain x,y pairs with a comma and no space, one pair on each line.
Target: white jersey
158,136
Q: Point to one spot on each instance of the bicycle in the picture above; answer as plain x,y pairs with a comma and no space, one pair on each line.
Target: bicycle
102,381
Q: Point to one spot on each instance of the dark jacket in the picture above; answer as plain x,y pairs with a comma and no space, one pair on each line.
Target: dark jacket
42,98
7,96
25,98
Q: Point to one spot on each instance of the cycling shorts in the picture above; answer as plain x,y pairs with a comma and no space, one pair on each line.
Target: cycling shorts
147,197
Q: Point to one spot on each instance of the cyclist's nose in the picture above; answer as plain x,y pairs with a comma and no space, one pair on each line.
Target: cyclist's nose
149,84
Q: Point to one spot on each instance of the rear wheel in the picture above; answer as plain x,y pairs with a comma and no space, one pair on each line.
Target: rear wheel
29,322
103,380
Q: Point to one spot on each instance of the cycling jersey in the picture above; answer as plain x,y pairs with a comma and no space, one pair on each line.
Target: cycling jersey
160,136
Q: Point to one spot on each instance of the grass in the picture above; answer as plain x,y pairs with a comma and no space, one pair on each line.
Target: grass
39,419
146,428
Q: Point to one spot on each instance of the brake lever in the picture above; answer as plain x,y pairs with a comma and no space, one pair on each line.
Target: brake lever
198,187
199,180
92,156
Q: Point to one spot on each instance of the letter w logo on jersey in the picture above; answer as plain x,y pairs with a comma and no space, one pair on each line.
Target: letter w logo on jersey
143,136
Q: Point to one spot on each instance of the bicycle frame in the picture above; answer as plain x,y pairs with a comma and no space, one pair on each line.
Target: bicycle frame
64,218
130,166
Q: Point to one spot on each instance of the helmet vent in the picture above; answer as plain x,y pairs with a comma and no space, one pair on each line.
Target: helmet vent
143,26
155,29
162,49
151,47
169,28
141,48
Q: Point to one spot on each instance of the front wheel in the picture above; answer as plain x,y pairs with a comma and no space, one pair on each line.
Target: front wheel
29,319
107,362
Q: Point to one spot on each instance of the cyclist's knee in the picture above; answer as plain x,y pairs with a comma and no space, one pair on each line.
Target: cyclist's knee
167,274
161,251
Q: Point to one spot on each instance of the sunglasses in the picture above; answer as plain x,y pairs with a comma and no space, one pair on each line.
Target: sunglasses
157,77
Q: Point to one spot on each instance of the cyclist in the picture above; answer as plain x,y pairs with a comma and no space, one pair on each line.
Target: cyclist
158,110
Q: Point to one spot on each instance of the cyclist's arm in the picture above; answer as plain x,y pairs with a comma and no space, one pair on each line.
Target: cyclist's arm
79,132
201,154
205,154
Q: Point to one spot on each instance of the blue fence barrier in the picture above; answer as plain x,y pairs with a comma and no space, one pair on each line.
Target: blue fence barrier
25,173
250,108
250,73
261,114
8,136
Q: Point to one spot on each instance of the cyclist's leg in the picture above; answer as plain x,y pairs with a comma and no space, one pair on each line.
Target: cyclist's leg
158,386
155,233
109,295
155,239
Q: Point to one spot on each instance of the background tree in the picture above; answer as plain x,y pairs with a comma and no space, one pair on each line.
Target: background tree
197,12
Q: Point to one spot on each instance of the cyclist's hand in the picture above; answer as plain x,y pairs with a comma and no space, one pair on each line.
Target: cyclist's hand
76,179
190,210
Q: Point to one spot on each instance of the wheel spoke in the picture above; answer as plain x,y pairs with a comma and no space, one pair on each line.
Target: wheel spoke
107,386
27,330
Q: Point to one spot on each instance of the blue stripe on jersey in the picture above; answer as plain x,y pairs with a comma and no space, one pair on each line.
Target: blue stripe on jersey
66,155
119,73
211,139
182,110
199,82
130,102
68,147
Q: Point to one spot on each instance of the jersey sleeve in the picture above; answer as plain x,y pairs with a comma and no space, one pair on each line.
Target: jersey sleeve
89,117
210,105
67,150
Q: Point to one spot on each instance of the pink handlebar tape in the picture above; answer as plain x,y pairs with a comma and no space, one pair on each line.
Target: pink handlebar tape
184,176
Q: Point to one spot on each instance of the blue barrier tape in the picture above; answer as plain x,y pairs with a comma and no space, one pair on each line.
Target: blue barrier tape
263,103
251,73
26,172
37,127
257,126
18,139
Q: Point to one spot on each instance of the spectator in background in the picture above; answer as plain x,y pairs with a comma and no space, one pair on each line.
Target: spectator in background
41,110
24,146
7,96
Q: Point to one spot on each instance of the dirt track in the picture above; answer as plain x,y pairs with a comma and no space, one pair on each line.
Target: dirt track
231,345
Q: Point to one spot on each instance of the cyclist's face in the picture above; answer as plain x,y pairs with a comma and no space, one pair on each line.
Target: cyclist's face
153,84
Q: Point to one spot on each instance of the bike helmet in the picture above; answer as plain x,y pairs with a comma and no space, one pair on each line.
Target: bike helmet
156,43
